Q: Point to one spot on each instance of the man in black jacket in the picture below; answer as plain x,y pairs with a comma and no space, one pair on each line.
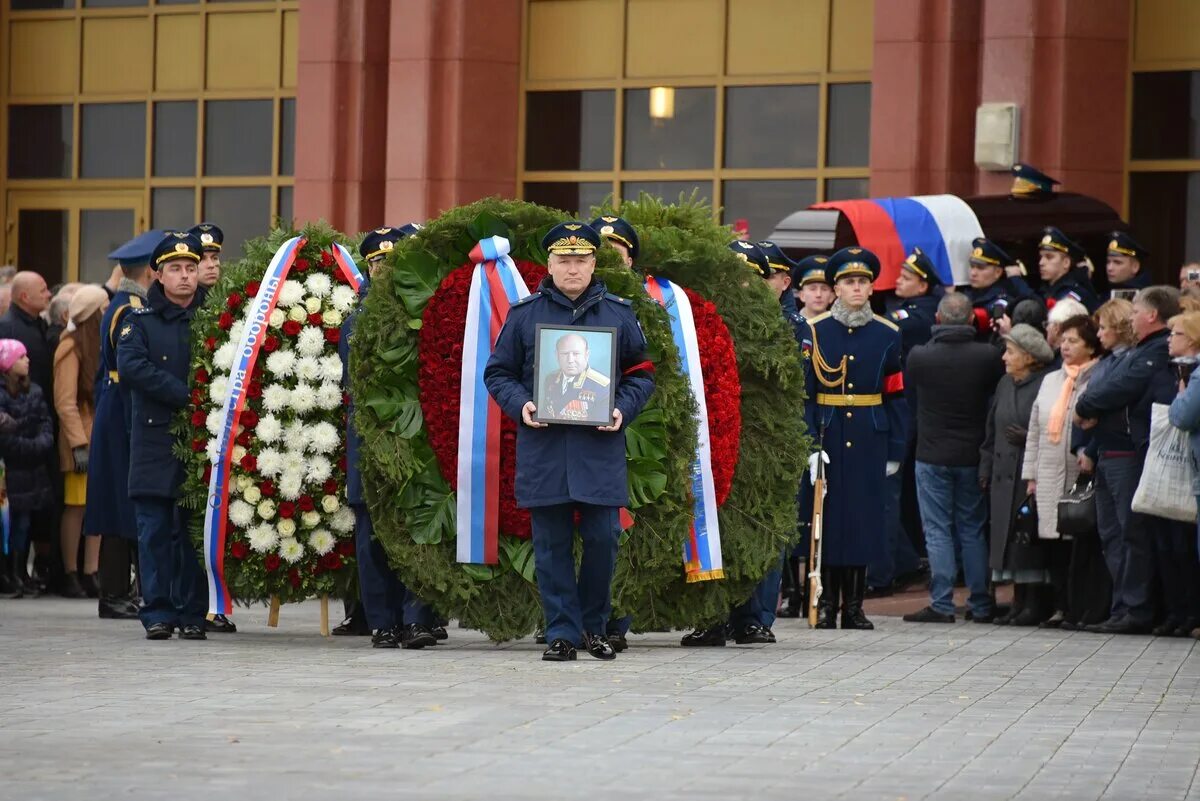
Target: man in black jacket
1124,397
951,381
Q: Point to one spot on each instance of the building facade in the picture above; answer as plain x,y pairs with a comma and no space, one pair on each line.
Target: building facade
120,115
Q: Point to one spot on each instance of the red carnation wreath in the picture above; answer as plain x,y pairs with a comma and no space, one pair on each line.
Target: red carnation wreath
440,375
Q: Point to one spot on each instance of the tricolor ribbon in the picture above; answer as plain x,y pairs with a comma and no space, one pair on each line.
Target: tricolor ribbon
216,518
702,551
496,284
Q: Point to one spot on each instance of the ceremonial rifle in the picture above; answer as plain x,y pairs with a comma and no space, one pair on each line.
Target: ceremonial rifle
816,542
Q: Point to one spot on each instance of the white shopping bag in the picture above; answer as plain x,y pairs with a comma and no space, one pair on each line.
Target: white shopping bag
1166,486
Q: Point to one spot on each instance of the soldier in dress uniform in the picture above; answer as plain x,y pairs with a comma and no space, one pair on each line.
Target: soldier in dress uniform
918,290
108,512
997,284
571,471
857,413
813,295
396,617
153,363
212,238
1125,258
1058,256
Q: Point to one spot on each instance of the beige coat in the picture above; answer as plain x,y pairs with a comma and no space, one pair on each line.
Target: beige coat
74,418
1052,466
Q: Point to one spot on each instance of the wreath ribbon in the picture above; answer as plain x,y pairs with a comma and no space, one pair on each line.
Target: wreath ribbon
702,550
496,284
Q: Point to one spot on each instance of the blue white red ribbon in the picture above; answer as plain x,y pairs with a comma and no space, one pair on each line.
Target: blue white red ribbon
215,514
702,551
346,266
496,284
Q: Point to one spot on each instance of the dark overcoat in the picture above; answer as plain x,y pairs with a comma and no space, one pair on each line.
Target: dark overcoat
860,439
154,351
109,510
565,463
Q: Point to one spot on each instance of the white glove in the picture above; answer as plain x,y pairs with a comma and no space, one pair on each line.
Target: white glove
892,468
812,464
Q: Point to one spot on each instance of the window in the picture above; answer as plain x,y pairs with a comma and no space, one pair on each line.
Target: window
1166,115
112,140
101,231
39,5
237,137
669,191
287,136
847,188
285,205
569,196
39,141
173,208
175,139
581,136
765,203
669,129
849,125
771,126
242,212
1164,210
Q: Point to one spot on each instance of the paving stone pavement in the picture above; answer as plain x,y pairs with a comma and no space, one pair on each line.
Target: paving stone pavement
89,709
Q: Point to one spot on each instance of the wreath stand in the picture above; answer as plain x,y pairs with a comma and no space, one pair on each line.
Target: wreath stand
273,614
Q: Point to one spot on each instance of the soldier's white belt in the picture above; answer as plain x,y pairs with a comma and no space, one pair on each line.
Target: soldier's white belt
825,399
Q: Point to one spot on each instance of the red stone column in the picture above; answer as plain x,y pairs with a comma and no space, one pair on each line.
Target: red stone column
924,90
1066,64
453,84
341,113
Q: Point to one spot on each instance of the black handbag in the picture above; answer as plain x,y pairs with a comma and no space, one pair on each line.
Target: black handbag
1077,509
1025,523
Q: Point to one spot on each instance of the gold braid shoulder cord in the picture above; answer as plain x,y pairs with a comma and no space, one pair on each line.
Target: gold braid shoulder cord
823,370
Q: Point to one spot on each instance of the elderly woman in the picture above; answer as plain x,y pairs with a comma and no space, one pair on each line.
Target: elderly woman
1175,545
1063,310
1027,359
1050,467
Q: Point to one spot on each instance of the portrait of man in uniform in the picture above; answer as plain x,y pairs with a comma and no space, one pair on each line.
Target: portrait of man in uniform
574,368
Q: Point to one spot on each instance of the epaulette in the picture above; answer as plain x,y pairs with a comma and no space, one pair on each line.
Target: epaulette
599,378
525,299
887,322
818,318
618,299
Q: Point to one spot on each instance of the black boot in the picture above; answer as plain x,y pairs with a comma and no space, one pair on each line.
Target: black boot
1018,605
854,588
827,603
20,572
10,585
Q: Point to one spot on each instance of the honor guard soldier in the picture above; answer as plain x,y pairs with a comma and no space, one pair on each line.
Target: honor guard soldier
1057,256
570,470
211,238
997,285
1125,258
809,285
781,264
857,412
618,234
153,358
109,512
778,275
917,295
396,617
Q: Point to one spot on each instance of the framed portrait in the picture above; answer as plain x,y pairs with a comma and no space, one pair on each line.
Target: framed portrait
575,371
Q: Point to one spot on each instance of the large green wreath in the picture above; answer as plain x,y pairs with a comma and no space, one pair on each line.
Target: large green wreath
413,507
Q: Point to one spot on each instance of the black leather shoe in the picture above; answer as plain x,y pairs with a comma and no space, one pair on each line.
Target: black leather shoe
386,638
770,635
559,651
439,633
1165,629
1123,626
192,632
1055,621
599,646
1098,628
618,642
990,617
159,631
90,585
220,625
116,609
417,636
69,586
1070,625
827,603
539,636
704,638
355,624
928,615
752,635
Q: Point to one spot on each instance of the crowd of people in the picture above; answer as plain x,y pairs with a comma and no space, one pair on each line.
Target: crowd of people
1003,434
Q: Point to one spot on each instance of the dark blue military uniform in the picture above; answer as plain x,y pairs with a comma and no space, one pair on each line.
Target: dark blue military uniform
1124,397
562,470
1121,243
389,606
109,511
575,397
1000,297
1075,285
153,363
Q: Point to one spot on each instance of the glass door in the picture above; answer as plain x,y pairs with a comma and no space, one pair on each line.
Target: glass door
67,235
